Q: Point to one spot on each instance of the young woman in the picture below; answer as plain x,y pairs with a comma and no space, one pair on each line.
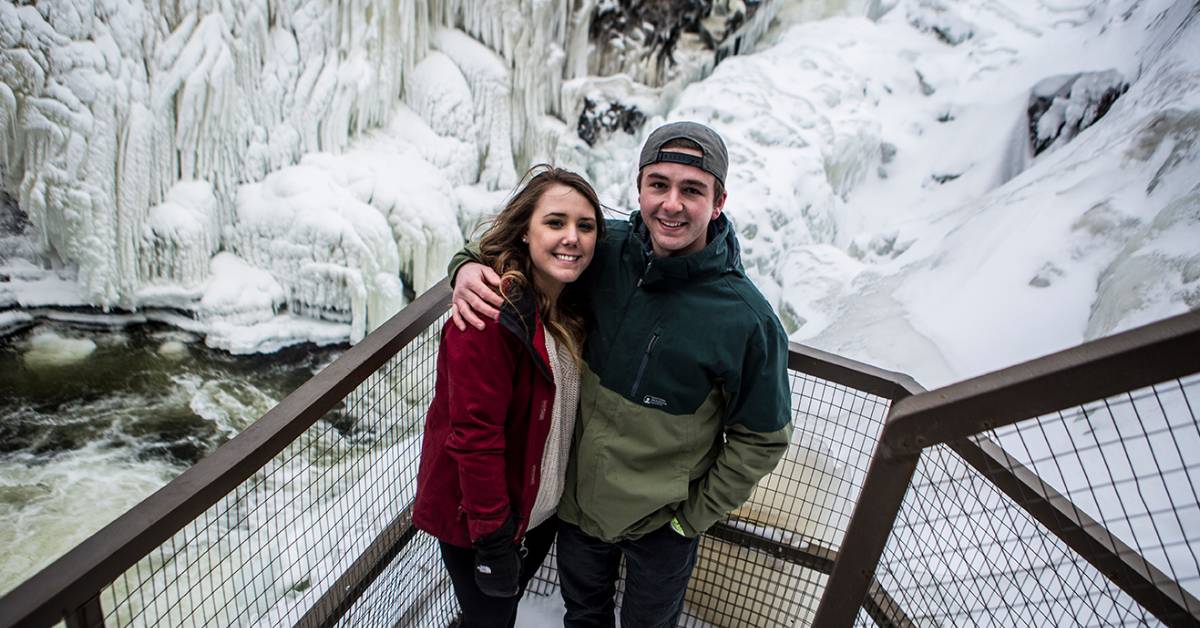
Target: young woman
499,428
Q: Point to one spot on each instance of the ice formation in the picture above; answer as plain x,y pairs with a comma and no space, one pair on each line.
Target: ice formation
48,350
910,178
137,137
887,195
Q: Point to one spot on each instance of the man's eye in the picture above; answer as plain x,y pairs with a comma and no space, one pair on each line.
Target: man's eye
692,190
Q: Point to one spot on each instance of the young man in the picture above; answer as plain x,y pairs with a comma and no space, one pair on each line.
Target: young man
684,403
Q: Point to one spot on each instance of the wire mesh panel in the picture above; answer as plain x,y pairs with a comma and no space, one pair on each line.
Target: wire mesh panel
967,548
414,590
766,569
271,550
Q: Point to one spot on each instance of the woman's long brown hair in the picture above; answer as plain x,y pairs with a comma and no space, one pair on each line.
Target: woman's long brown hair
502,249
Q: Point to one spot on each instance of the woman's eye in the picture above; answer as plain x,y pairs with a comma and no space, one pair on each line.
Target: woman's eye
554,222
587,226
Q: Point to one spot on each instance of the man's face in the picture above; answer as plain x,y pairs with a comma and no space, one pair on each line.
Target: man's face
677,203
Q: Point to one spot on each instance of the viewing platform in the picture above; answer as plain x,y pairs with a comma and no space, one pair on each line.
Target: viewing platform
1058,492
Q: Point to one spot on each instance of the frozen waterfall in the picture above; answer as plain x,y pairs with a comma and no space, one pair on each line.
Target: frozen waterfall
942,187
340,146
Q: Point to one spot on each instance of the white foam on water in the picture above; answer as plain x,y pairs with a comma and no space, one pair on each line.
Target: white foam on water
230,405
47,506
173,350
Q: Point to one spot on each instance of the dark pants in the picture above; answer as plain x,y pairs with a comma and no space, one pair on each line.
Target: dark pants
657,569
482,611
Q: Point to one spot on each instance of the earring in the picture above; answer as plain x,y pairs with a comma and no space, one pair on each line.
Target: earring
525,239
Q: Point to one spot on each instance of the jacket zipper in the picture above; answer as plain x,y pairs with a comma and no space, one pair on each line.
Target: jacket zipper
645,272
642,367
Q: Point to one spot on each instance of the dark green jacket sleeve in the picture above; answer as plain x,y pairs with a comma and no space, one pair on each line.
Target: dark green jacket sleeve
758,430
468,253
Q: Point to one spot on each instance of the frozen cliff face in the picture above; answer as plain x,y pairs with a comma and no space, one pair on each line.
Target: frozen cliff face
888,198
113,115
885,175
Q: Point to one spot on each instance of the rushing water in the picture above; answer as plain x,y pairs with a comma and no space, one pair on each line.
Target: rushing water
93,421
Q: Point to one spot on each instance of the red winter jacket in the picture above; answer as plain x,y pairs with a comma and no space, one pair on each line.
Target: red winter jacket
486,428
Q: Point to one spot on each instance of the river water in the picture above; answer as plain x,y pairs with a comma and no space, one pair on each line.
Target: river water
92,421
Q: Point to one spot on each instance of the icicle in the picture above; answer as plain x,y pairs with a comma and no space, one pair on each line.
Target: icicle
133,191
488,81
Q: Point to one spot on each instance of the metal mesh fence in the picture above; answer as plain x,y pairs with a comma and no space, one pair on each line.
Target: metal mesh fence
414,590
1123,470
771,575
1088,516
270,550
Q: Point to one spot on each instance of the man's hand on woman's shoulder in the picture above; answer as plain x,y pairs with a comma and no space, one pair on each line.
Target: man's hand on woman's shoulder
476,295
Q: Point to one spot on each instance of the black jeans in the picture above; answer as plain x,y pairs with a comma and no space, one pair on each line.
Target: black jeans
657,569
482,611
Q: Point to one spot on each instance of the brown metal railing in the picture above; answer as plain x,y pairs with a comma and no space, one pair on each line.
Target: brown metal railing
303,518
958,429
128,552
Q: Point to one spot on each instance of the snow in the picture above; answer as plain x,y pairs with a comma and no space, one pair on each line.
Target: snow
540,610
266,174
879,233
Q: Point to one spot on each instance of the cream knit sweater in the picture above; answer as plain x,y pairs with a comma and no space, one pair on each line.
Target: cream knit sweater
562,425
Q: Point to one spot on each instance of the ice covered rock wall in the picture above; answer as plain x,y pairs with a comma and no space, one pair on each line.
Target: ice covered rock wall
889,200
139,138
111,110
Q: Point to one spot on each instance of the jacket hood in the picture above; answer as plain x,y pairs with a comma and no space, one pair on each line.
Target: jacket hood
722,254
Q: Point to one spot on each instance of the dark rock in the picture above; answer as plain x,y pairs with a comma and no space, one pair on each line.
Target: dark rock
1060,107
598,118
655,25
931,16
945,178
13,221
887,152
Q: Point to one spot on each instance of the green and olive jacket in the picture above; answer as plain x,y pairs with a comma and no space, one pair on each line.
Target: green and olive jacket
684,403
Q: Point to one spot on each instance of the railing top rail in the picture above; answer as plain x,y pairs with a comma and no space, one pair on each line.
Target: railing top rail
1119,363
79,574
834,368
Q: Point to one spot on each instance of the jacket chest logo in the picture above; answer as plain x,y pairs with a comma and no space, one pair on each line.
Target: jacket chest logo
651,400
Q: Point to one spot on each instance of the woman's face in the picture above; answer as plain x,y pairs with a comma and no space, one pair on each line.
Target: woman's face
561,237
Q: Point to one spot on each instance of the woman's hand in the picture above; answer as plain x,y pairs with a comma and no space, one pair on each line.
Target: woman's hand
498,561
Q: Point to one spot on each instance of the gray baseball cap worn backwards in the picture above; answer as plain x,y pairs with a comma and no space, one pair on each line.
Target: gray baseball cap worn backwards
715,160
